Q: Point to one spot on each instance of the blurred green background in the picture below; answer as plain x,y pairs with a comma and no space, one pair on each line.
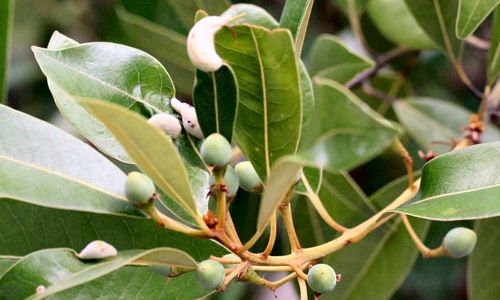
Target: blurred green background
96,20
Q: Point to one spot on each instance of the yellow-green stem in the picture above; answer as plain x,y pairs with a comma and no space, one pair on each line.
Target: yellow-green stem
286,213
273,229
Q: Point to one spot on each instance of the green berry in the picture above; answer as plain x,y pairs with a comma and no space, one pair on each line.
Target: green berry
459,242
249,180
231,181
138,188
216,150
322,278
210,274
231,256
163,270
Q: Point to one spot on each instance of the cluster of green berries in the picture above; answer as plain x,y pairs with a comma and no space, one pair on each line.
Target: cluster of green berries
216,151
459,242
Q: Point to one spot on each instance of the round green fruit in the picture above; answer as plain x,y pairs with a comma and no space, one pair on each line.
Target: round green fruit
249,180
139,188
322,278
459,242
210,274
231,181
216,150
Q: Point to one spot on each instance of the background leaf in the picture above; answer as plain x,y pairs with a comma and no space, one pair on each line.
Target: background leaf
345,132
437,18
423,119
6,23
266,107
151,149
125,76
42,169
330,58
484,261
460,185
471,13
396,23
215,99
295,16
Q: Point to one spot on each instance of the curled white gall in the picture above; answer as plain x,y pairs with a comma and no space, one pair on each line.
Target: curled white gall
200,43
189,118
167,123
97,250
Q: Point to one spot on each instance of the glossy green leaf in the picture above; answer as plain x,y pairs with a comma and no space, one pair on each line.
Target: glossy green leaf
460,185
423,119
163,42
345,132
397,24
152,151
376,266
185,10
59,269
41,170
125,76
437,18
471,13
215,99
330,58
295,16
250,14
255,15
28,228
6,262
494,52
270,101
6,24
484,262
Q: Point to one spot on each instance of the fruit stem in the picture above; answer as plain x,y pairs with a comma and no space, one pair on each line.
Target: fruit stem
221,198
318,205
286,213
172,224
408,160
303,288
231,230
272,236
426,251
237,272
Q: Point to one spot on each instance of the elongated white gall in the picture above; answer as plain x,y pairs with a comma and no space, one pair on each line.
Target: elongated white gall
167,123
200,43
189,118
97,250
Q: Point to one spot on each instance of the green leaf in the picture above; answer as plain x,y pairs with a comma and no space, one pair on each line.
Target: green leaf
484,261
6,22
295,16
41,170
164,43
345,132
215,99
250,14
270,100
60,269
132,282
28,228
471,13
330,58
437,18
397,24
460,185
6,262
111,72
423,119
494,52
152,151
375,267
